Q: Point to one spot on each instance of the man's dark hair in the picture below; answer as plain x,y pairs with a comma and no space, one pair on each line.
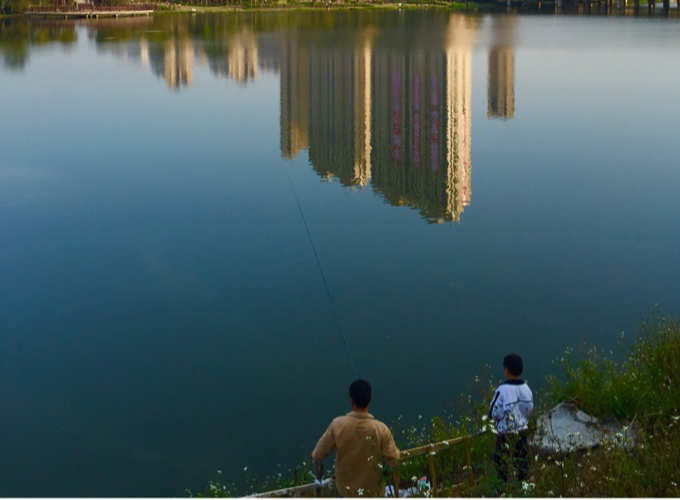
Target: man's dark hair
360,392
514,364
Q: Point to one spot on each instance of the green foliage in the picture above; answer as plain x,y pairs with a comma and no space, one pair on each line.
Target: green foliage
644,384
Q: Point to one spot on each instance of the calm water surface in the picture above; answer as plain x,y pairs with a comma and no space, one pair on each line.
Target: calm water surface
473,184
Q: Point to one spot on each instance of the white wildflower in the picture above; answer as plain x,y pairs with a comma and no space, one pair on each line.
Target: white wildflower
245,468
370,458
485,418
360,492
536,458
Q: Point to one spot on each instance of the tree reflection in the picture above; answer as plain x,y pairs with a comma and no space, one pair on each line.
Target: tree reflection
17,37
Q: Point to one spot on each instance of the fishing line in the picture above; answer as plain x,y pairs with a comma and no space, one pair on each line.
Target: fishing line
331,300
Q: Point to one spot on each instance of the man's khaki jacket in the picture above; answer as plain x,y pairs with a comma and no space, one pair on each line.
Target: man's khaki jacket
363,443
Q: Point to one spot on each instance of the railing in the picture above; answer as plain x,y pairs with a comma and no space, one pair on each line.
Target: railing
430,449
90,8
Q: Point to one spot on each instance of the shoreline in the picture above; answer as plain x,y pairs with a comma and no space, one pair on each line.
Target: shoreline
318,6
616,389
308,6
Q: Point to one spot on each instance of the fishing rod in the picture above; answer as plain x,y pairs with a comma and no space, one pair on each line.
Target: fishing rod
324,280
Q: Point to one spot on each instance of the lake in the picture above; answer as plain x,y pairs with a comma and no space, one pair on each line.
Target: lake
472,185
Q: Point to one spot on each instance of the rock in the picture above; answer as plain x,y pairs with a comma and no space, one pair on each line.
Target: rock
565,428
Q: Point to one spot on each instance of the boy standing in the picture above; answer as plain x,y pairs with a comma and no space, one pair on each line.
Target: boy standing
510,409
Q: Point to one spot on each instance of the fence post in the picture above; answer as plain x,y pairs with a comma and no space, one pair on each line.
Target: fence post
468,456
433,475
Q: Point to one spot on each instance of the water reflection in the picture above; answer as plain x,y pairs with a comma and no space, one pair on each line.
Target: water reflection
386,111
501,73
385,105
16,39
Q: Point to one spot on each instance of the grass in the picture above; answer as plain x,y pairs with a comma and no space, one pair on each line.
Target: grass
641,388
644,384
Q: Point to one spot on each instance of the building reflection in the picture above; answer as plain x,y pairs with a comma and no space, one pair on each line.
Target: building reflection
501,73
174,61
242,57
386,108
234,56
398,117
172,51
340,110
294,91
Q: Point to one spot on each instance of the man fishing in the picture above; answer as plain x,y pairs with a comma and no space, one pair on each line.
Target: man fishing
362,442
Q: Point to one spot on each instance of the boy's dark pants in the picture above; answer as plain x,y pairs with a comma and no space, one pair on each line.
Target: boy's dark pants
512,448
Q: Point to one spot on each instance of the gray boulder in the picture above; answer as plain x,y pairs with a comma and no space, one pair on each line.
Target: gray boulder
565,428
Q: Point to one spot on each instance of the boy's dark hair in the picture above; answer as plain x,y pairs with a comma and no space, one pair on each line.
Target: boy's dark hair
514,364
360,392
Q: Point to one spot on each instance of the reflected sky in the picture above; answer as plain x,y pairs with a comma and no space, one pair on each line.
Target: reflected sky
161,301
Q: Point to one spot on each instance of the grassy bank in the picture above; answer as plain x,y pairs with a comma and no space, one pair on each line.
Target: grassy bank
642,389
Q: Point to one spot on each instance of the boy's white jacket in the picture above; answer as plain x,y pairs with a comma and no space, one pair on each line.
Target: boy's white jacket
511,406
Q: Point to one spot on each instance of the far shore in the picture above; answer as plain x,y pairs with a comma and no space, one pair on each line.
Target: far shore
319,5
